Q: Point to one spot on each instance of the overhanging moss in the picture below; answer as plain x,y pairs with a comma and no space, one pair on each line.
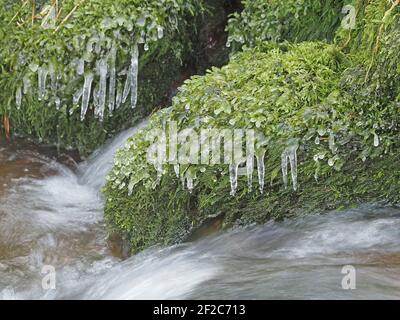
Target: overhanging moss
169,214
26,44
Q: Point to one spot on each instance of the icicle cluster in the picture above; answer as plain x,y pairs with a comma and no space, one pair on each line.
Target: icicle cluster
106,74
289,156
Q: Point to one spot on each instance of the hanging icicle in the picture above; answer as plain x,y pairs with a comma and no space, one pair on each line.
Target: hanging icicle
96,100
42,77
332,143
77,96
80,67
289,156
189,182
54,85
18,97
261,169
127,86
112,87
376,140
177,170
103,69
118,100
249,171
27,84
57,102
134,75
87,87
233,177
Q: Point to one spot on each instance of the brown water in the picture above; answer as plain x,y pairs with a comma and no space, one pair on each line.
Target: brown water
52,214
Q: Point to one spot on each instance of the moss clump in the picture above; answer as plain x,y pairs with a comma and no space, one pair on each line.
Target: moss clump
291,94
87,30
278,21
337,104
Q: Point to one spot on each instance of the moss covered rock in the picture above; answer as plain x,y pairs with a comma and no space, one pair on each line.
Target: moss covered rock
334,107
293,95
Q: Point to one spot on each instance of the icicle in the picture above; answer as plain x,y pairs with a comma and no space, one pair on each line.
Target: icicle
80,67
376,140
284,167
134,76
249,170
103,69
141,22
142,37
290,156
177,169
127,87
183,180
96,100
250,151
233,177
118,100
87,87
160,32
27,84
77,96
293,165
111,94
18,97
42,77
53,79
57,102
189,182
261,170
332,144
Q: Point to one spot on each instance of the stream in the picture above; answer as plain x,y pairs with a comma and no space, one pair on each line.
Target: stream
52,215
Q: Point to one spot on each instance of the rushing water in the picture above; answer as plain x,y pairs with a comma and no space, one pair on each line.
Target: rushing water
52,215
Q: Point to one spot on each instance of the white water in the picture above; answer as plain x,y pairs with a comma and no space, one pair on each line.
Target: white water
50,215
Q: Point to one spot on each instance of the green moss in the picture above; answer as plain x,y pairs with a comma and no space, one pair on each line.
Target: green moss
114,23
290,20
290,94
309,94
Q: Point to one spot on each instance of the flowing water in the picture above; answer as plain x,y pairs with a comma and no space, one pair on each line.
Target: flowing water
51,214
